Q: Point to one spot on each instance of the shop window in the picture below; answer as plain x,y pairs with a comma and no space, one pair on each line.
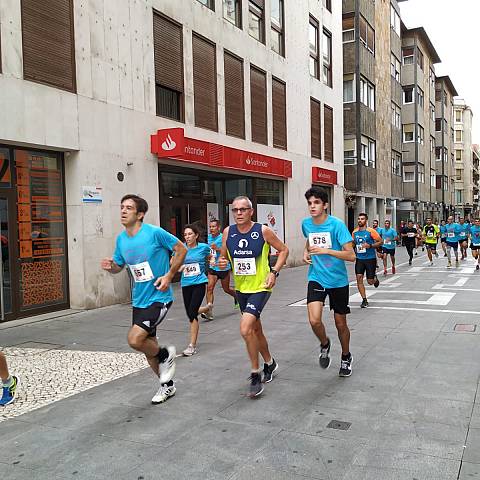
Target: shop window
269,191
177,185
5,168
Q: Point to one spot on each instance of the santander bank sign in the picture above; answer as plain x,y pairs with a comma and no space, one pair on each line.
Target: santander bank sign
172,143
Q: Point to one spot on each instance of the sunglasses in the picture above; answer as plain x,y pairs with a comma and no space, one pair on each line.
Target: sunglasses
240,210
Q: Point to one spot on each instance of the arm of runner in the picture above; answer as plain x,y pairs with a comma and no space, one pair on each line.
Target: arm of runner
281,248
378,240
307,258
110,266
180,251
222,259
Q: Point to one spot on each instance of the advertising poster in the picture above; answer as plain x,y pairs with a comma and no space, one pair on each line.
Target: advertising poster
212,212
272,215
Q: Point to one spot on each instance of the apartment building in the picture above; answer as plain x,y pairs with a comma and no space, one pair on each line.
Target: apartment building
464,159
444,145
418,126
187,103
371,109
476,180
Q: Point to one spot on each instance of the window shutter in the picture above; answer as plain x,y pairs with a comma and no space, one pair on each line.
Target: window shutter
234,96
258,100
168,53
315,128
279,114
204,83
48,43
328,133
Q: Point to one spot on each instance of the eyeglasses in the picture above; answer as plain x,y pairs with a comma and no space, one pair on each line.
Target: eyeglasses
240,210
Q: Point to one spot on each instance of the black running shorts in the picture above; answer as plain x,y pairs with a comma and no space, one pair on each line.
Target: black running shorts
151,317
388,251
431,246
368,265
221,274
252,303
337,297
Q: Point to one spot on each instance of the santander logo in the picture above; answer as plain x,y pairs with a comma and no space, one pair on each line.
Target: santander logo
256,163
168,144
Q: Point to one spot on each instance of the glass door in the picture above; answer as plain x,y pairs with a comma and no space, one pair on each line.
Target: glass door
5,262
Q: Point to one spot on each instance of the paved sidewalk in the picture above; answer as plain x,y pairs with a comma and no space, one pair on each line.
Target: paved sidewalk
411,409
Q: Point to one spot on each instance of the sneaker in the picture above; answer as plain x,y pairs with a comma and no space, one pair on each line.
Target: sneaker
167,367
9,393
346,367
409,262
393,270
436,254
384,271
449,265
364,303
324,357
256,385
269,370
477,267
445,255
376,283
189,351
423,249
431,264
416,253
163,394
208,316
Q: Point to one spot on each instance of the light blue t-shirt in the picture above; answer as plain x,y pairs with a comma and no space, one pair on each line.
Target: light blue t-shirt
195,265
147,254
216,253
328,271
475,235
388,236
443,231
464,230
453,232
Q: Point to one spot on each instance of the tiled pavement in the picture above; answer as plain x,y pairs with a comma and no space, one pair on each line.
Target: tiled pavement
412,402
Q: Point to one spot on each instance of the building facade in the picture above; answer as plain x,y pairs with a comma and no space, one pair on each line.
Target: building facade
186,103
476,179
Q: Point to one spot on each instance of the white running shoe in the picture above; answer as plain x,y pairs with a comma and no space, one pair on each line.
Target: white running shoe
167,367
190,350
163,394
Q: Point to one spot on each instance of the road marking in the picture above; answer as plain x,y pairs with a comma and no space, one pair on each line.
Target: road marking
459,283
467,312
435,298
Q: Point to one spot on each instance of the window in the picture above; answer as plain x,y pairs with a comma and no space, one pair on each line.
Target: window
348,27
277,23
408,132
396,163
420,97
458,116
279,108
458,196
458,155
445,98
394,20
438,95
432,178
208,3
438,124
234,96
420,135
407,95
168,56
314,50
368,153
328,133
367,35
408,56
327,57
396,116
395,67
348,89
421,173
232,11
438,154
258,102
328,4
408,177
458,174
315,128
432,147
459,135
419,58
367,93
256,21
432,80
48,43
349,151
432,112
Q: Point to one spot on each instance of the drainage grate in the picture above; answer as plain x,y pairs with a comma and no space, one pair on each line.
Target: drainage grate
339,425
465,327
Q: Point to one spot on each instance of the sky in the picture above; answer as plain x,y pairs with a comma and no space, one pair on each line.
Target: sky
453,27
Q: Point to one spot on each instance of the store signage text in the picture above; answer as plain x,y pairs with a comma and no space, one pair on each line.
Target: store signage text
322,175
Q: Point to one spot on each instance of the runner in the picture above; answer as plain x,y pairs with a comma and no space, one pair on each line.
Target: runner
145,249
214,271
463,237
9,383
402,226
443,237
419,238
328,246
475,242
379,249
453,232
366,240
246,244
430,237
194,281
409,235
390,238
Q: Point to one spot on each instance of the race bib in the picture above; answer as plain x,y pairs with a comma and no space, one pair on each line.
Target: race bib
463,234
244,266
191,270
450,234
361,248
320,239
387,241
141,272
476,244
213,252
410,234
430,234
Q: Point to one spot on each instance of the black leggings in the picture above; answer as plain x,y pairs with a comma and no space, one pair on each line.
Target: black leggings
410,247
192,299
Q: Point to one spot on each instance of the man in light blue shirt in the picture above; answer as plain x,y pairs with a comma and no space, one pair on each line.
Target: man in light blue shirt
390,237
452,230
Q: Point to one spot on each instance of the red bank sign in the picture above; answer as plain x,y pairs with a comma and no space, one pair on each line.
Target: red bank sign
171,143
322,175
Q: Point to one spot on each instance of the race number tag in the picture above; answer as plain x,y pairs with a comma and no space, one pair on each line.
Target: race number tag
451,234
387,241
244,266
410,234
463,234
191,270
430,234
320,239
361,248
141,272
476,243
213,252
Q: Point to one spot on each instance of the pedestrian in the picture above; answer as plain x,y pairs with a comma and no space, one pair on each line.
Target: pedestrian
390,237
246,244
328,247
409,236
10,383
146,250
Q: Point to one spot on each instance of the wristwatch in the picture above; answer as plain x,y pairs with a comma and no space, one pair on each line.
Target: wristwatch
272,270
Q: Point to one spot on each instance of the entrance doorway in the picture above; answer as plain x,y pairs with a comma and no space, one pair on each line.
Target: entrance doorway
178,213
6,307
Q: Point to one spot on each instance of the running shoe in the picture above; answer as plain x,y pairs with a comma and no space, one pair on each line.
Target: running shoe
269,370
445,255
167,367
9,393
324,357
384,271
376,283
346,367
393,270
256,385
409,262
449,265
189,351
208,316
364,303
423,249
436,254
477,267
431,264
163,394
416,253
